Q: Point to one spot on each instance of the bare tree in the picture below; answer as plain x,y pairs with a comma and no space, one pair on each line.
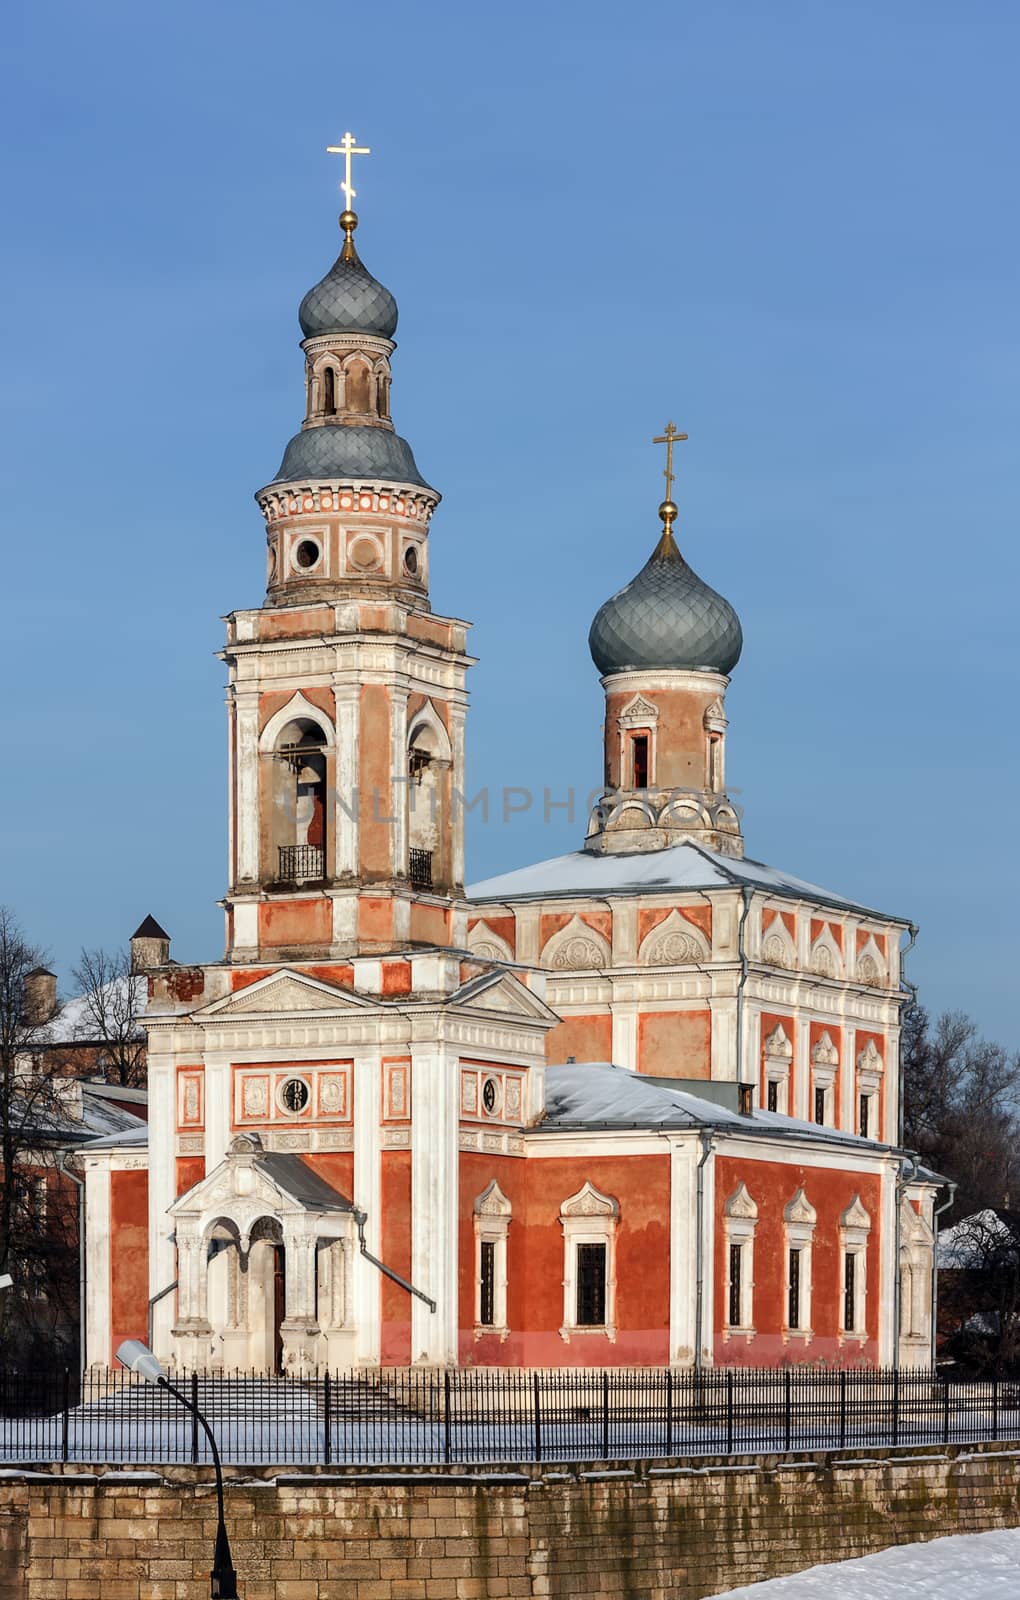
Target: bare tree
961,1097
979,1298
112,1000
38,1228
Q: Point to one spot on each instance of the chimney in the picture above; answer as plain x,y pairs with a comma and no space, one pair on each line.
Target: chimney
39,996
150,946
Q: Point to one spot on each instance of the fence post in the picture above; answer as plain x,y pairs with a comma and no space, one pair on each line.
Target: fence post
536,1391
896,1406
447,1430
669,1411
995,1407
842,1408
327,1420
787,1399
729,1411
945,1411
65,1421
194,1418
605,1416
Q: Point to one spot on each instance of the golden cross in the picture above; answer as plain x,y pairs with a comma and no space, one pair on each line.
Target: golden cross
347,148
669,438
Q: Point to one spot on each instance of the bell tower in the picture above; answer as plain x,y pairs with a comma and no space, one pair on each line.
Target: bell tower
346,693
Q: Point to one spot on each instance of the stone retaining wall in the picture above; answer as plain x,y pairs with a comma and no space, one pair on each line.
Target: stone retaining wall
648,1532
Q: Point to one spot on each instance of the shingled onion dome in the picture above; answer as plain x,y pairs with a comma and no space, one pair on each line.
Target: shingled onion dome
666,618
348,299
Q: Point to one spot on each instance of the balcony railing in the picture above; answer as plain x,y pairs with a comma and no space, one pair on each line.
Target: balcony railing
419,868
300,863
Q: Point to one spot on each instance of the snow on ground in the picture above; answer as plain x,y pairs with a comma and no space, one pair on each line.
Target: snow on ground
966,1567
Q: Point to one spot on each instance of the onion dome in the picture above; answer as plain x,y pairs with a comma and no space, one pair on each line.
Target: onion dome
346,451
666,618
348,299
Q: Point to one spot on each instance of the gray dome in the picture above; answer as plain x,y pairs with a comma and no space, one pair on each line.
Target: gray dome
666,618
345,451
348,300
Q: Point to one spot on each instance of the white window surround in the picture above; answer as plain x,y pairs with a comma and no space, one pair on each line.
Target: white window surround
588,1217
915,1265
638,716
869,1080
778,1061
492,1216
824,1066
740,1219
296,709
854,1227
799,1218
777,946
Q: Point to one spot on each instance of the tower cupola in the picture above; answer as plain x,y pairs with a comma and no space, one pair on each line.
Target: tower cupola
348,509
664,645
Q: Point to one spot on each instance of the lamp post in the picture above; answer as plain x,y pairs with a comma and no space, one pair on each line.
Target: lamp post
139,1359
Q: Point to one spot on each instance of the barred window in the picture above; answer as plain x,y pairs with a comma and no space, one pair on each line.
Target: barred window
591,1285
487,1284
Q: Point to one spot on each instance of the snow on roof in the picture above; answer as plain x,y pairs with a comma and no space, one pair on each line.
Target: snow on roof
678,866
598,1094
131,1136
973,1240
51,1120
74,1021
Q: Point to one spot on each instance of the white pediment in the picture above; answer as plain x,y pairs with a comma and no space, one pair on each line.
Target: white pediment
283,991
740,1204
503,992
800,1210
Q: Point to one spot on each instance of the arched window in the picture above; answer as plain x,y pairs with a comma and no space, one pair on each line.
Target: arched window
299,802
329,392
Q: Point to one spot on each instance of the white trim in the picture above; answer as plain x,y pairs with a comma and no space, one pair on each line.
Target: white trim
297,707
588,1217
492,1213
799,1221
740,1219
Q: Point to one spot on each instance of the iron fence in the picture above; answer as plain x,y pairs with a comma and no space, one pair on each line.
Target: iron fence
418,1417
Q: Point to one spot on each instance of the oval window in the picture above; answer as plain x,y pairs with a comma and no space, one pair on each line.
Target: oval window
294,1095
306,553
490,1095
411,560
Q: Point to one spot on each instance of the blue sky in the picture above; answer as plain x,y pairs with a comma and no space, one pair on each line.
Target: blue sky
791,227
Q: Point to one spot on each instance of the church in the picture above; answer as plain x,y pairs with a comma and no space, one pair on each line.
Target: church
637,1105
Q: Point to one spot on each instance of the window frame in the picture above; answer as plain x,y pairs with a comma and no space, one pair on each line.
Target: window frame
854,1229
588,1217
493,1215
740,1220
799,1222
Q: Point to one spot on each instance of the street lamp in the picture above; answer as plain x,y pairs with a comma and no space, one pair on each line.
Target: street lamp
139,1359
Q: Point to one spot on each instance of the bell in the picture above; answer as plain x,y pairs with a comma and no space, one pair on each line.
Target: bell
308,774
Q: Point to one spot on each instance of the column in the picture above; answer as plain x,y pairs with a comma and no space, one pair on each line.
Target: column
162,1189
97,1309
455,821
435,1166
365,1277
246,786
346,799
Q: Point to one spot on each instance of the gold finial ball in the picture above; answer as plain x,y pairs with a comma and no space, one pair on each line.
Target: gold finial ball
348,221
668,511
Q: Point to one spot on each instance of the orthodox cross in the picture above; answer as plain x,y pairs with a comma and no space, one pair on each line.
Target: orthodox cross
669,438
347,148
